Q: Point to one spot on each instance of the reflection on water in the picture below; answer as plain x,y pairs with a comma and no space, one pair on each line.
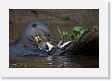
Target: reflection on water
54,62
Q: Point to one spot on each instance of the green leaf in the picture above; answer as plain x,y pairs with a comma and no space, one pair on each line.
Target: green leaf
78,32
77,29
82,32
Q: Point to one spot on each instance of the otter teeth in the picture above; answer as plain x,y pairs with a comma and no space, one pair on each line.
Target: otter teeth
36,38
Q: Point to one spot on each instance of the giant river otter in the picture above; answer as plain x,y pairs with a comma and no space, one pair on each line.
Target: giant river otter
33,41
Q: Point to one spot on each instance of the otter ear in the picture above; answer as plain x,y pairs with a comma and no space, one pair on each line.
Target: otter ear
34,25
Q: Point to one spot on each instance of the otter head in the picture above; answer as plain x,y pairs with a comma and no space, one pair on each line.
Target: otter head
36,33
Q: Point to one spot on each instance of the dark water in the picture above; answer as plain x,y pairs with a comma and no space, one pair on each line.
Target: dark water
54,62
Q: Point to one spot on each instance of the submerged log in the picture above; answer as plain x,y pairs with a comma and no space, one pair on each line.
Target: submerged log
88,44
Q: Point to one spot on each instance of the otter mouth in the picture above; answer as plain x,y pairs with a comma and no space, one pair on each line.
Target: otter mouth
40,42
43,44
38,39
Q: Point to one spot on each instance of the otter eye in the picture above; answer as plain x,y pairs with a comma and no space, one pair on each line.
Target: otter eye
34,25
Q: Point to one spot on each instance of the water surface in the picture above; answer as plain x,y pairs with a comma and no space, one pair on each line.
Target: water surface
54,62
